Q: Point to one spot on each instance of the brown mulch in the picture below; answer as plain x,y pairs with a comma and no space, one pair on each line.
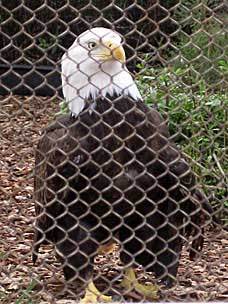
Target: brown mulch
21,120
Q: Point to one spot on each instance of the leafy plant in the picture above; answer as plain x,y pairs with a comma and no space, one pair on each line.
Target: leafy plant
197,120
202,42
63,108
43,43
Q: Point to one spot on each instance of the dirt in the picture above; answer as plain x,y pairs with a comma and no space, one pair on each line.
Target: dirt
21,121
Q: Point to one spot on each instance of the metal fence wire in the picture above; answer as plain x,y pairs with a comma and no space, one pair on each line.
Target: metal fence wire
114,160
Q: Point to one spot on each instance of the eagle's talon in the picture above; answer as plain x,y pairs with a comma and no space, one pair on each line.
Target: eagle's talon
130,282
93,295
149,291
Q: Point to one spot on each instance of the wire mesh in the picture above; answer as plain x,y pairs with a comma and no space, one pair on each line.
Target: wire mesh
111,176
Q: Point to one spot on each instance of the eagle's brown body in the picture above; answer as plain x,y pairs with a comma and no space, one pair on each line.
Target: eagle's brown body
114,174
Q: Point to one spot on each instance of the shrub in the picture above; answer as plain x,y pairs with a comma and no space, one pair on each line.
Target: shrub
201,43
197,122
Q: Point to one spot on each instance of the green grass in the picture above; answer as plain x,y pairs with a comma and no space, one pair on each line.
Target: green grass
3,255
27,293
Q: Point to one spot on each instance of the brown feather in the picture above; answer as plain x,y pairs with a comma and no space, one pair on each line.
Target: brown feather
109,173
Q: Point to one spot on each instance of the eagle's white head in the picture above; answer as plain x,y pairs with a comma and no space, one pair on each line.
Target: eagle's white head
94,66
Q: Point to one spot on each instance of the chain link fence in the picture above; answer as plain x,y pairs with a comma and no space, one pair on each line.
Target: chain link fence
113,198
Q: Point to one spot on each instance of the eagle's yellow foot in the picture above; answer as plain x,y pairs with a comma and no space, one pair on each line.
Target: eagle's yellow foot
130,281
93,295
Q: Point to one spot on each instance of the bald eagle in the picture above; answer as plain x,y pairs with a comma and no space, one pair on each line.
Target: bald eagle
108,172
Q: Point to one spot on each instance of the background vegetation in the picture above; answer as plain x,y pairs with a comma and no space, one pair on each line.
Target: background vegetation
198,122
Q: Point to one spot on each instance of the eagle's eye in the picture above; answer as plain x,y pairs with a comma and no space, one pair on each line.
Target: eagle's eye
92,44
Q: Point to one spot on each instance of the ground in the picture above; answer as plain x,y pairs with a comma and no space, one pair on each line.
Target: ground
21,120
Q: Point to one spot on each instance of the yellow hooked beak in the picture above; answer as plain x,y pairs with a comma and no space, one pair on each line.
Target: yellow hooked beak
114,51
